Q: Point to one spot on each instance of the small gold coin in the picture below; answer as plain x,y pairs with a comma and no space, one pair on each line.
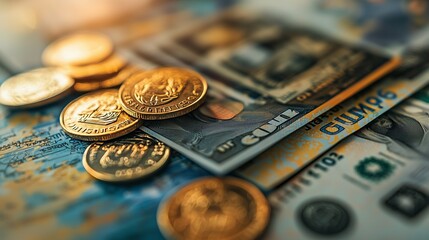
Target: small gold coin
114,81
35,88
78,49
162,93
102,69
214,208
127,158
97,116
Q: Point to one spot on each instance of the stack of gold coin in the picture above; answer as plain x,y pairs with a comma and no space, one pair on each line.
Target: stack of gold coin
214,208
90,59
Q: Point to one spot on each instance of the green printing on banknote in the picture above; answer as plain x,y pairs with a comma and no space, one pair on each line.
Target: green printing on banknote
375,179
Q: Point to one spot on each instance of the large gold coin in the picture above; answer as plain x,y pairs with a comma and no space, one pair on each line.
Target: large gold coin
78,49
127,158
97,116
102,69
114,81
162,93
35,88
213,208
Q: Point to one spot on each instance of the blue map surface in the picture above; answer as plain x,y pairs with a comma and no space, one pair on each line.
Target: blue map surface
46,193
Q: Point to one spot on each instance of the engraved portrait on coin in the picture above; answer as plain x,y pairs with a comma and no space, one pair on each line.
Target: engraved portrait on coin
126,158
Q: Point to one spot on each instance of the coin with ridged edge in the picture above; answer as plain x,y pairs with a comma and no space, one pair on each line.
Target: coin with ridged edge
111,82
127,158
35,88
214,208
78,49
111,65
97,116
162,93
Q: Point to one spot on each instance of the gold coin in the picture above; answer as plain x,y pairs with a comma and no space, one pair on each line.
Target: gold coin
97,116
162,93
114,81
127,158
35,88
78,49
214,208
102,69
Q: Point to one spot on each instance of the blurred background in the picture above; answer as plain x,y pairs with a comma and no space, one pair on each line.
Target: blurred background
27,26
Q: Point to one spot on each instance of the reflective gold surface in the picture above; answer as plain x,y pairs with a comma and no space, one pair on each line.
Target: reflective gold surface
114,81
109,66
78,49
97,116
215,208
163,93
127,158
35,88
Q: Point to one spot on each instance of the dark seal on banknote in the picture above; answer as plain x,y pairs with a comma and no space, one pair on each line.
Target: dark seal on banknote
408,200
324,216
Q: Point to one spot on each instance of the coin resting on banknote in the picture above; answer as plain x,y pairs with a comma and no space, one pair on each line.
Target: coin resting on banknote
128,158
214,208
162,93
78,49
97,116
35,88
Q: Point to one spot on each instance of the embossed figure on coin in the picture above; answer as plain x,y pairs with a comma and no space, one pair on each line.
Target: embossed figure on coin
127,158
214,208
97,116
103,112
128,153
162,93
159,89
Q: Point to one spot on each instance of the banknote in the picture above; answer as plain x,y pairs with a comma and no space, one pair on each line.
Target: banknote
264,83
388,26
373,185
300,148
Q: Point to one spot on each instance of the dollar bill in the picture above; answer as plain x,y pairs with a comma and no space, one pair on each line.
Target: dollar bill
265,81
387,26
373,185
299,149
